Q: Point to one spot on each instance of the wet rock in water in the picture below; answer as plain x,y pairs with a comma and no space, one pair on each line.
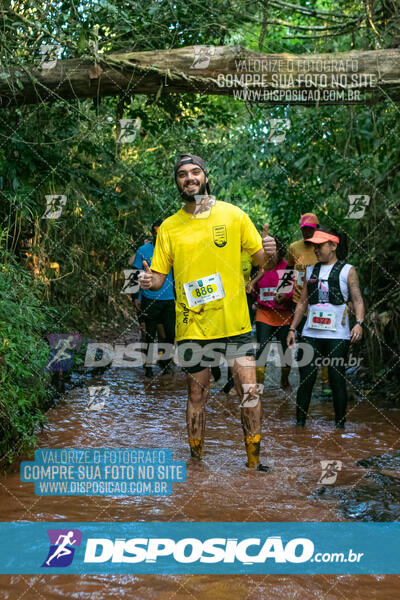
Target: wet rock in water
385,461
376,499
377,495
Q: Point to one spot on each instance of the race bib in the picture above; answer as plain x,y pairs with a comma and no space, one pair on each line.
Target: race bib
202,291
320,318
267,294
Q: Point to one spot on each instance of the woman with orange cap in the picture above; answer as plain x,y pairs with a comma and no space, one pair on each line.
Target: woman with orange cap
300,256
330,284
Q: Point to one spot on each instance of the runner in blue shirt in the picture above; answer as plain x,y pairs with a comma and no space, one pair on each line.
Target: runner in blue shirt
156,307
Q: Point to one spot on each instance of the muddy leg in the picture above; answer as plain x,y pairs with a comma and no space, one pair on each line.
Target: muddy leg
245,380
198,387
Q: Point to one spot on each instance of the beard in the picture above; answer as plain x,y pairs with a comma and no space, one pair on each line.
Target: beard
192,198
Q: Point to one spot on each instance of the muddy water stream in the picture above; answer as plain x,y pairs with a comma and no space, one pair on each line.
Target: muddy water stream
219,489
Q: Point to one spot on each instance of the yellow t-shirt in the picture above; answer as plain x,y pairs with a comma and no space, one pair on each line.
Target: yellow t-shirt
246,266
300,256
197,247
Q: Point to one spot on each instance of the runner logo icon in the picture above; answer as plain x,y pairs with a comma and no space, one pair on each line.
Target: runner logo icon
62,547
330,470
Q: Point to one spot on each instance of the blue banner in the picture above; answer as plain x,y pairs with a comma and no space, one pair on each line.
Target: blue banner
192,548
103,472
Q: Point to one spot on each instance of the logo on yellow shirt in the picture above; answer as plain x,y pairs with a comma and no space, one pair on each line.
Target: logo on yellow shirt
185,313
220,236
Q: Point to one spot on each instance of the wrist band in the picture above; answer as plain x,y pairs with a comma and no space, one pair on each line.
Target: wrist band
291,329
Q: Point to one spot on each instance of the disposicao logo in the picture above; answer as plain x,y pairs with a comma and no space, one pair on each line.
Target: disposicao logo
191,550
62,547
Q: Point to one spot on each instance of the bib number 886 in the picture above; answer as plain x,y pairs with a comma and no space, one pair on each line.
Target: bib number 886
203,291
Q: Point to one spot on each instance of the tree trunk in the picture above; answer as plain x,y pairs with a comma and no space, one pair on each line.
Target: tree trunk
342,78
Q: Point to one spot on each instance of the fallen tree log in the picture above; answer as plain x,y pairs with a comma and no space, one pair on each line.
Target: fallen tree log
308,79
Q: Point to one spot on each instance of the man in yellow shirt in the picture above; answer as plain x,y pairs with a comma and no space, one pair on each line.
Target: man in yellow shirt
203,243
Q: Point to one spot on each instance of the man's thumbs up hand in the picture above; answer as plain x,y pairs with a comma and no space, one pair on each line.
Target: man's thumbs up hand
145,277
269,244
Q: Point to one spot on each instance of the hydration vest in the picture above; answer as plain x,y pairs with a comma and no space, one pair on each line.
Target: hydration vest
335,295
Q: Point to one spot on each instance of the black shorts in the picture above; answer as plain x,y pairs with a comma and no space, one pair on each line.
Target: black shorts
196,355
140,316
155,312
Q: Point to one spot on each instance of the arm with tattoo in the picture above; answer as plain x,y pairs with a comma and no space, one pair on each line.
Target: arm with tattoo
358,303
355,294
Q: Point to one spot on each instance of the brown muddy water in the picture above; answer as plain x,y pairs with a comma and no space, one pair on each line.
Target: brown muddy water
218,489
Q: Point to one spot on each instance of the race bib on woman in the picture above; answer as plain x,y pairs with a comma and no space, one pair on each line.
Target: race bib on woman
320,318
267,294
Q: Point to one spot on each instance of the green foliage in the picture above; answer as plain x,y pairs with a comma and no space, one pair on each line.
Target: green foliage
23,353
